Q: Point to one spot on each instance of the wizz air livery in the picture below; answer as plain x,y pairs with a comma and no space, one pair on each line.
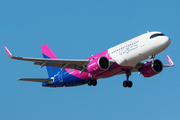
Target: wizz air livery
124,58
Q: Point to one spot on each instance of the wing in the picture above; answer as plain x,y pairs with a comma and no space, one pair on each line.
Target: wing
76,64
140,65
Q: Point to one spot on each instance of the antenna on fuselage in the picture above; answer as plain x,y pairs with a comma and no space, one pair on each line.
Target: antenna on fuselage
147,31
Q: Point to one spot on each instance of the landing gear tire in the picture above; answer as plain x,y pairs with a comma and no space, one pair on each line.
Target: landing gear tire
130,84
92,82
127,84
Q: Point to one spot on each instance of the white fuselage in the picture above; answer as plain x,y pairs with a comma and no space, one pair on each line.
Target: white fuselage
139,48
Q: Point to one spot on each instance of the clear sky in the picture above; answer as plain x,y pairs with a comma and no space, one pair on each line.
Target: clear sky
76,29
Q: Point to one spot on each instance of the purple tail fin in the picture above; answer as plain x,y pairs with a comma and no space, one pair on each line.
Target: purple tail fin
48,53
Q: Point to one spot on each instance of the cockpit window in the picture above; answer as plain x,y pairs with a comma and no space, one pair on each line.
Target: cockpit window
155,35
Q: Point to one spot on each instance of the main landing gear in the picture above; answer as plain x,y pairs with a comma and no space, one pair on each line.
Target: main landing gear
92,81
128,83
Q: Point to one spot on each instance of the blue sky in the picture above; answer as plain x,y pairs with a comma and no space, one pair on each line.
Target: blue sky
76,30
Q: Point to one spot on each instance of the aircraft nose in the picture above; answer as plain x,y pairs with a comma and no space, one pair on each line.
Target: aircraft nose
162,43
167,41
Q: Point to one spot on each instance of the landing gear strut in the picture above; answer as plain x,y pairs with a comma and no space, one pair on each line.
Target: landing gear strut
128,83
152,58
92,81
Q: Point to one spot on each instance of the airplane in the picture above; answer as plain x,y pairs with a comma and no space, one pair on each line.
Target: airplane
124,58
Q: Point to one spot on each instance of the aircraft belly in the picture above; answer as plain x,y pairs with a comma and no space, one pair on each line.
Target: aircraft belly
132,58
65,79
121,60
113,70
73,80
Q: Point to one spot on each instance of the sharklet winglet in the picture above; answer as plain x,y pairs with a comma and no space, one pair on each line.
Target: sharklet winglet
8,52
170,61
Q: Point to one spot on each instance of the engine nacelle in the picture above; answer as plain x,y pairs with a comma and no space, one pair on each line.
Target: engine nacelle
98,65
150,69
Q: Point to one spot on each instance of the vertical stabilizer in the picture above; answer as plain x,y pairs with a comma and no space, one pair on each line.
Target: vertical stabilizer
48,53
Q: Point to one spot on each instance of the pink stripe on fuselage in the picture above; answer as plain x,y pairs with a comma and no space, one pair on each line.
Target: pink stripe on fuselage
48,52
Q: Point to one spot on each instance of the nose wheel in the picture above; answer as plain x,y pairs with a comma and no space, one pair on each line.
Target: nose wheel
127,83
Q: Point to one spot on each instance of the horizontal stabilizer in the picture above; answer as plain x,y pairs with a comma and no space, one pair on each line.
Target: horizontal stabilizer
36,79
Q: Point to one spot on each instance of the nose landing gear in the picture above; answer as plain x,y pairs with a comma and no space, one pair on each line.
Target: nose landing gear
152,58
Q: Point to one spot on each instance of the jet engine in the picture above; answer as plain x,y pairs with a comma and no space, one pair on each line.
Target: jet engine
98,65
151,68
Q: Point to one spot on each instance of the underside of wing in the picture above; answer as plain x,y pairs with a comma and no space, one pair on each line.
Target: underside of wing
141,64
62,63
77,64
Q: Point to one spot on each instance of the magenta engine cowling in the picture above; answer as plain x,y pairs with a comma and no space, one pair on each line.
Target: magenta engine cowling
150,69
98,65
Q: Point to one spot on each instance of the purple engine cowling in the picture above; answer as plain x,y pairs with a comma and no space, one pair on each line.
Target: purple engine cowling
98,65
151,68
